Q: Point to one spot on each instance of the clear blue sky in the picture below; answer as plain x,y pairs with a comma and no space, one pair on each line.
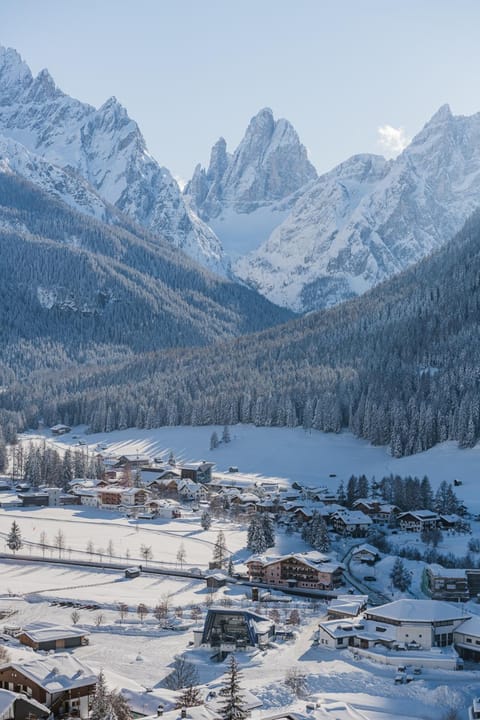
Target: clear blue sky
189,71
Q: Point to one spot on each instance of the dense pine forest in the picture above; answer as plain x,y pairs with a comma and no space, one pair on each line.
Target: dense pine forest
74,290
398,366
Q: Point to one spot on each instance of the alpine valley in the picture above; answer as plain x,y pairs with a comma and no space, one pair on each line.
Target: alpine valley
171,307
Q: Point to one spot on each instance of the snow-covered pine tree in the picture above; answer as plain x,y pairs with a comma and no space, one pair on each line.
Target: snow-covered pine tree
67,469
427,494
341,495
213,441
268,529
400,576
233,706
226,434
120,705
256,540
319,534
3,452
102,708
14,538
206,520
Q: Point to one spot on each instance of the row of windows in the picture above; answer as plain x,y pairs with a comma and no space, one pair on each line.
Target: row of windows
14,687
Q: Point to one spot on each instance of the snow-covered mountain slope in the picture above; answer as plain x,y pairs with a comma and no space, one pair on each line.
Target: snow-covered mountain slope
368,219
107,149
245,195
69,187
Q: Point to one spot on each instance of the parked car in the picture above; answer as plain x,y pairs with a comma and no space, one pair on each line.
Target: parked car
369,578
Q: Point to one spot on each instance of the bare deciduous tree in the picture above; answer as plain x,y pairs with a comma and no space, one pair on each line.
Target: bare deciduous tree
142,611
296,681
122,610
183,675
59,542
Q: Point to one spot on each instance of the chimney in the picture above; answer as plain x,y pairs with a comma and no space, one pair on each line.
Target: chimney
160,711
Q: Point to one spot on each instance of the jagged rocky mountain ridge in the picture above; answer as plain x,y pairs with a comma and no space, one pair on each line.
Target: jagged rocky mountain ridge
105,148
368,219
305,242
245,194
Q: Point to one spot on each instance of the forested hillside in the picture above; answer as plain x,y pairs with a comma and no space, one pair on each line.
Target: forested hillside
400,365
75,290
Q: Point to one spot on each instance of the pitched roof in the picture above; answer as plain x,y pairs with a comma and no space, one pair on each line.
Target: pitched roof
419,514
55,673
353,517
365,548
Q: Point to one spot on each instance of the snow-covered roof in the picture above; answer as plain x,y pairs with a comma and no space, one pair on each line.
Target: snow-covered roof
470,626
193,713
48,632
410,610
354,517
90,492
313,558
365,548
7,698
135,457
131,491
316,560
56,673
352,628
419,514
196,465
246,497
348,604
440,571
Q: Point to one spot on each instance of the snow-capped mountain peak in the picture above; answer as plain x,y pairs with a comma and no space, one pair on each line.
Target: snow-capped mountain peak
15,75
106,148
368,219
244,195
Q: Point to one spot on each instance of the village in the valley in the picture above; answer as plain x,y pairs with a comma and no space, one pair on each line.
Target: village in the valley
151,580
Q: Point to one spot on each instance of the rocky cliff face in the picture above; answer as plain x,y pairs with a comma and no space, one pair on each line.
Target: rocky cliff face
368,219
244,195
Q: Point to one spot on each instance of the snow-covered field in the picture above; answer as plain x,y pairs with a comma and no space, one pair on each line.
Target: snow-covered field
136,655
291,453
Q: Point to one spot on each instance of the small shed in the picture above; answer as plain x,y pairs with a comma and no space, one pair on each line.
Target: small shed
216,579
60,429
133,572
47,636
